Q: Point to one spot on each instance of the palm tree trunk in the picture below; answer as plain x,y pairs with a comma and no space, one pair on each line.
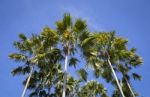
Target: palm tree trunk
65,76
27,83
115,76
129,87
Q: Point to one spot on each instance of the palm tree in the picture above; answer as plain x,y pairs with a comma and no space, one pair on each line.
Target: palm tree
101,46
28,54
69,33
101,49
34,52
128,59
43,56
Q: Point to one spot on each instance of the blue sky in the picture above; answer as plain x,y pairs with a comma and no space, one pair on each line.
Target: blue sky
129,18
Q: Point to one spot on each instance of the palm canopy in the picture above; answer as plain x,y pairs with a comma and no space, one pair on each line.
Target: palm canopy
44,54
71,32
100,47
33,50
27,53
44,81
92,89
38,52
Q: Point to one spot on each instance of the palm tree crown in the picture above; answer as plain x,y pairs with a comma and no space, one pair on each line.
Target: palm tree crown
46,57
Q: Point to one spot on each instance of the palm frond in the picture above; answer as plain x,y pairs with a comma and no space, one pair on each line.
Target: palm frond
67,20
83,74
136,76
22,37
18,57
73,61
80,25
21,70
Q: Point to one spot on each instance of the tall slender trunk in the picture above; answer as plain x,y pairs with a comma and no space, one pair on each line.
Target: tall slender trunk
65,76
115,76
27,83
128,84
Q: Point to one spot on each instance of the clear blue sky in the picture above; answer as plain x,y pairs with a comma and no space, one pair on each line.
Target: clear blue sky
130,18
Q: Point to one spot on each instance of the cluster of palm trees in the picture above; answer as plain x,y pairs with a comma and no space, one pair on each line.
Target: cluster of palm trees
46,57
